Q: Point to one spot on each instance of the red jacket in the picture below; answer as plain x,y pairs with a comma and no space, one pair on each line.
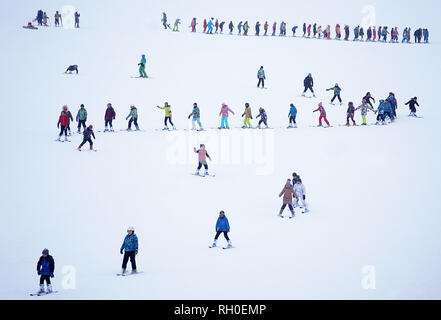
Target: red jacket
63,120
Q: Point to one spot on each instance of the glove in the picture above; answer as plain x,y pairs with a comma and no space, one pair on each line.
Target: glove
136,252
52,275
121,251
188,117
304,197
39,272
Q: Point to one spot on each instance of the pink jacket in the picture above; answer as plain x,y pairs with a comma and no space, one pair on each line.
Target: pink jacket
224,111
203,155
322,111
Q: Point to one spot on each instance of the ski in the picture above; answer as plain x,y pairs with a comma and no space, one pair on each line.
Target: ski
225,248
128,274
87,150
42,293
204,175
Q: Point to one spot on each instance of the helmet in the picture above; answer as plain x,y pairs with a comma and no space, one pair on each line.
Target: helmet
202,145
109,104
309,74
222,212
130,229
45,251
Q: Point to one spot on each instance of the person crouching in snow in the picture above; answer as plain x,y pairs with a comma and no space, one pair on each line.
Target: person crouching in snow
72,68
322,115
63,120
203,155
248,116
130,250
288,194
222,226
412,103
45,269
299,190
350,114
365,107
87,137
263,117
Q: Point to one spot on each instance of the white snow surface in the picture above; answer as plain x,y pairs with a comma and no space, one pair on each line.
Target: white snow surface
371,190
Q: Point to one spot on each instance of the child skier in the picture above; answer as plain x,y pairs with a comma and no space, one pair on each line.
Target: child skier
292,116
412,103
308,83
87,137
81,118
109,116
322,115
130,249
274,29
63,120
364,107
196,114
205,25
337,91
288,195
380,112
222,226
239,28
299,190
58,19
202,157
70,118
72,68
263,117
231,27
210,26
261,77
45,269
350,114
141,64
248,116
224,113
176,25
246,27
193,25
265,28
133,115
168,115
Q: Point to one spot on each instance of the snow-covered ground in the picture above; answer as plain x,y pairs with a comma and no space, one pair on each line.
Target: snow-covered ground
371,190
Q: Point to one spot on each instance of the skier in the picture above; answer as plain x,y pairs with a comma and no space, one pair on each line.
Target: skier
193,25
81,118
224,113
248,116
222,226
205,25
299,190
70,118
364,107
231,26
221,27
380,30
239,27
361,32
216,25
168,115
77,19
45,269
337,91
246,27
369,34
133,115
39,17
346,32
426,35
384,33
130,249
109,116
308,30
202,157
45,19
394,104
337,32
196,114
292,116
141,64
283,29
388,110
274,29
295,178
294,29
261,76
322,115
263,117
210,26
304,29
308,83
350,114
72,68
63,120
265,28
87,137
380,113
319,32
374,33
412,103
164,21
288,195
257,28
356,32
176,25
58,19
368,98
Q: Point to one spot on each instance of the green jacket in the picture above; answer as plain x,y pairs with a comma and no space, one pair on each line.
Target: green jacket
133,114
167,110
82,114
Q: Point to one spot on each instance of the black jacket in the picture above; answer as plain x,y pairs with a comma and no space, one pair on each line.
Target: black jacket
368,100
308,82
412,104
88,133
51,263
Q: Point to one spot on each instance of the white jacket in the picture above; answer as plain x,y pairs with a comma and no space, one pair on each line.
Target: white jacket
299,189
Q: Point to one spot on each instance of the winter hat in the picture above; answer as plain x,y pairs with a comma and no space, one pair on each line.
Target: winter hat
288,181
91,127
131,229
309,74
415,98
247,104
294,174
45,251
109,104
320,104
222,212
202,145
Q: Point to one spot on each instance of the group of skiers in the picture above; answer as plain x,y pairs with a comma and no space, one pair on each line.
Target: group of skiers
43,19
294,195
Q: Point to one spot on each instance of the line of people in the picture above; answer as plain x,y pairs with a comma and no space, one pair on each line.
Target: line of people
43,19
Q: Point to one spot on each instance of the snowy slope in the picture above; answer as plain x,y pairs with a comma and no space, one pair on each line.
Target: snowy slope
372,190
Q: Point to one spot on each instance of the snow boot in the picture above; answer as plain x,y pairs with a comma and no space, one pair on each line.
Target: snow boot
123,271
134,271
65,138
314,95
174,128
49,288
79,148
229,244
165,128
206,173
197,172
137,128
354,124
111,129
105,130
347,123
303,94
91,147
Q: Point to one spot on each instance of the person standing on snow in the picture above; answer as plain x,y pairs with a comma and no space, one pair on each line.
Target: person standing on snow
322,114
87,137
350,114
261,76
222,226
292,116
109,116
248,116
231,27
380,112
257,28
45,269
196,114
130,249
133,115
63,120
202,157
216,25
388,110
239,27
263,117
70,117
265,28
346,32
205,25
221,27
368,98
246,27
168,115
81,118
364,107
176,25
308,83
77,19
164,21
337,91
224,113
58,19
142,64
210,26
393,101
412,103
274,29
288,195
193,25
299,190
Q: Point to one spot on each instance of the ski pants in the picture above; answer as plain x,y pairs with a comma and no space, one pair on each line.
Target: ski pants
261,81
108,122
324,118
127,255
169,120
247,122
194,120
289,206
380,117
46,278
203,163
86,140
210,30
350,116
336,96
142,72
224,122
164,23
292,119
390,115
266,31
308,87
263,121
63,131
57,22
218,233
363,116
135,121
81,123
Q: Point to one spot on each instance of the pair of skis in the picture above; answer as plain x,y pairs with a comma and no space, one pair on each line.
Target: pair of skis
225,248
128,274
204,175
39,294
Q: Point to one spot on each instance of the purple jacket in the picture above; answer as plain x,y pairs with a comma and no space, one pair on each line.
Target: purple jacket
110,114
322,111
224,111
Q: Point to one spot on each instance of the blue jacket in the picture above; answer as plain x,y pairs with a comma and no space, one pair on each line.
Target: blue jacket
262,114
130,243
380,108
222,224
210,24
292,111
387,106
46,265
